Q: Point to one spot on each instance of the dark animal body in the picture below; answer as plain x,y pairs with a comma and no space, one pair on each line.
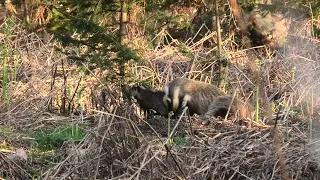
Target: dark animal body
148,99
196,95
221,104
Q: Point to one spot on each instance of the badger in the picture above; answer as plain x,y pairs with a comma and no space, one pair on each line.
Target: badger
196,95
222,104
148,99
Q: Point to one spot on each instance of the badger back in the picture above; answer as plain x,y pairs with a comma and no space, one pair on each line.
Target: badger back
196,95
221,105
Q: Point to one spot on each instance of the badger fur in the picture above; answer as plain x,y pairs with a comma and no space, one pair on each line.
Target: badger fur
221,105
196,95
148,99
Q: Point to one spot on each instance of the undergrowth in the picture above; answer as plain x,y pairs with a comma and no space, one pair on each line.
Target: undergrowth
116,143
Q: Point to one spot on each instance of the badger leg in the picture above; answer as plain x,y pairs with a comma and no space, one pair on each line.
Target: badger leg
152,113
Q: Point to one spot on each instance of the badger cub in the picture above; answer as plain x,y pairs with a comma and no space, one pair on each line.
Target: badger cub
148,99
220,107
196,95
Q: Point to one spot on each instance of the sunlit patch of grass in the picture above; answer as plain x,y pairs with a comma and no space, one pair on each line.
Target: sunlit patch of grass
51,139
5,131
43,151
180,141
42,155
41,160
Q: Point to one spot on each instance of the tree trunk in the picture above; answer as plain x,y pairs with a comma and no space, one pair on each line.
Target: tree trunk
237,15
26,11
123,20
122,34
222,69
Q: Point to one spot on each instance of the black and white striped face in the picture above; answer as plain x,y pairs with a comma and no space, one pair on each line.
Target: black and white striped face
174,101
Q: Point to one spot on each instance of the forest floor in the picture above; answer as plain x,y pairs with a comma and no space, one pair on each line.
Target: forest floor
199,148
102,138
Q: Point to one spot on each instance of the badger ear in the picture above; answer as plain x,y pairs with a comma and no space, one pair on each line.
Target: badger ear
126,86
166,99
130,90
127,90
140,88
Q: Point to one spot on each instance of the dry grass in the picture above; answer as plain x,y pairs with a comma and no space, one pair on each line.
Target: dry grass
118,145
116,149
